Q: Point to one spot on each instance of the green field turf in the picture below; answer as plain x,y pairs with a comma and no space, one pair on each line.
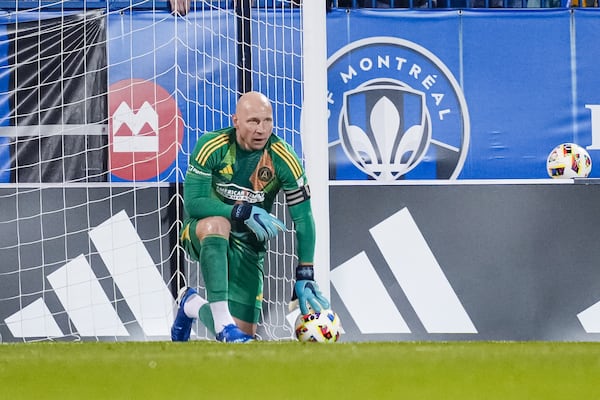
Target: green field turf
292,370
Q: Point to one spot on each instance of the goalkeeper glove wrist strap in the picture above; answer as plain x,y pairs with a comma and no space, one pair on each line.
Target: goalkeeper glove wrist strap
241,212
305,273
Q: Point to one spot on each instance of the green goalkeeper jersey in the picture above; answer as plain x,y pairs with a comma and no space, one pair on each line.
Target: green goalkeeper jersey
220,174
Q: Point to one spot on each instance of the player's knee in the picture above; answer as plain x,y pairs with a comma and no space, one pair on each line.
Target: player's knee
213,226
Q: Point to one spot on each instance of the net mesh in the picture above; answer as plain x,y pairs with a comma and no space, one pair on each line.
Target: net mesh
100,108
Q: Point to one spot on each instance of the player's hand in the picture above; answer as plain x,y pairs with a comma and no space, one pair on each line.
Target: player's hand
309,295
307,292
180,7
264,225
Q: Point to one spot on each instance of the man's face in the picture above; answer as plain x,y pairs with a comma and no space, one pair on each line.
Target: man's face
253,122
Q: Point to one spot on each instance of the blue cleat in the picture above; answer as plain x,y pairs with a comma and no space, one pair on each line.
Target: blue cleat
182,326
232,334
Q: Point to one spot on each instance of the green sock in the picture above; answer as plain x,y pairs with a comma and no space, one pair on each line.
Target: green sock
213,263
206,317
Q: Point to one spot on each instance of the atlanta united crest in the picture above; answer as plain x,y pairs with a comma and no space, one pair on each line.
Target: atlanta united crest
395,112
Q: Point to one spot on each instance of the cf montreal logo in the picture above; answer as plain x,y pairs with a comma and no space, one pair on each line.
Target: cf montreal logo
395,112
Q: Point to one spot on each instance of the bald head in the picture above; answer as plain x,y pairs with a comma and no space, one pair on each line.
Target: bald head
253,121
252,100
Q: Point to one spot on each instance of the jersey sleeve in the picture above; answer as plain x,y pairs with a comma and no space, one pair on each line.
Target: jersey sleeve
290,170
297,195
199,198
304,225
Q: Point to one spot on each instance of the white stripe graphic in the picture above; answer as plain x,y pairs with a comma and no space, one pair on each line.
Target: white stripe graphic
124,115
374,311
35,320
84,300
590,318
132,144
420,276
53,130
134,272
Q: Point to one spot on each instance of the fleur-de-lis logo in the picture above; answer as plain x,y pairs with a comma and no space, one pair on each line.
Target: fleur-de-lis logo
396,112
384,128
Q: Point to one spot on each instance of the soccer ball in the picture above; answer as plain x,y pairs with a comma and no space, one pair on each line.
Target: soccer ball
321,327
568,160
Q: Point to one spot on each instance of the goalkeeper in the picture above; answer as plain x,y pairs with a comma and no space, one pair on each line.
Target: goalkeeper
233,177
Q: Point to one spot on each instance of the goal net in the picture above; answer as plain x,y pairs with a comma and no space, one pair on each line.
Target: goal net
100,107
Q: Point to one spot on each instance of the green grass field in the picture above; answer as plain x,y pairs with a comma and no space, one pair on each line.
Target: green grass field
292,370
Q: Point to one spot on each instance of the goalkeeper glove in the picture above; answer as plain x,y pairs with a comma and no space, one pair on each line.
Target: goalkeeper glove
264,225
307,292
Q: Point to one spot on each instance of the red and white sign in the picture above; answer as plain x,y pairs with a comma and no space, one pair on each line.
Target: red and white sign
145,129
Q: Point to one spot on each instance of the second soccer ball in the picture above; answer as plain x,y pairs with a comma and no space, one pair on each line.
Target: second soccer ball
568,160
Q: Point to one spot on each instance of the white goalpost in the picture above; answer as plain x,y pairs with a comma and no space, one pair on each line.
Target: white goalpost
100,108
315,130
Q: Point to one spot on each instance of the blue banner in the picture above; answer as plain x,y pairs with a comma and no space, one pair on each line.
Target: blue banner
444,94
189,68
277,68
500,89
170,80
519,93
586,110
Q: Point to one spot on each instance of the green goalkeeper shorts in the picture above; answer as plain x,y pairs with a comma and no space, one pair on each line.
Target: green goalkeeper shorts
245,272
